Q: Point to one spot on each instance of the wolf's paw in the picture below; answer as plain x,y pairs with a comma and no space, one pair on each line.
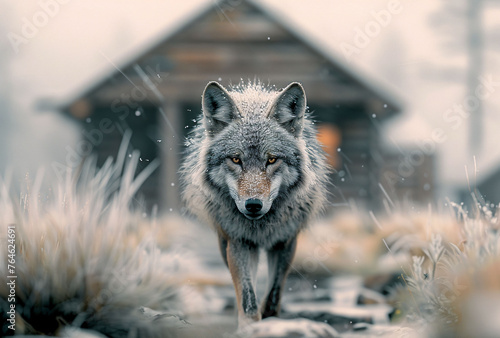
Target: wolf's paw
245,321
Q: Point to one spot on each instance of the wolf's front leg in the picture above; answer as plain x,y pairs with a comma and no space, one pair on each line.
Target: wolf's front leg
242,259
279,259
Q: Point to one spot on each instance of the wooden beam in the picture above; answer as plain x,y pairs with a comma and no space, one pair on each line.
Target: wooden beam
170,149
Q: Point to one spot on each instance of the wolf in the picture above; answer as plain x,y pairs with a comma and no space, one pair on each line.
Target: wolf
256,173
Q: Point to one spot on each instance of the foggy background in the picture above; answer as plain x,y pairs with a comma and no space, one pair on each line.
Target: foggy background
421,56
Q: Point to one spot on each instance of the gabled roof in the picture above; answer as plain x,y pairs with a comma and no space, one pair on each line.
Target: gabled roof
361,79
369,85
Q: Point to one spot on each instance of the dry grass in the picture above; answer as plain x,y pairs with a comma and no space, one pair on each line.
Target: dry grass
446,262
361,243
80,261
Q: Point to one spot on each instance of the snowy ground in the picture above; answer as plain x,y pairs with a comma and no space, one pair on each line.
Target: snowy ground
309,302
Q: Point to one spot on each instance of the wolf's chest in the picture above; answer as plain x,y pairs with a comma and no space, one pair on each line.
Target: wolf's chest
265,232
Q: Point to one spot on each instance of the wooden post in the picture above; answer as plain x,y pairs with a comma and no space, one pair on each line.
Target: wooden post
375,158
170,148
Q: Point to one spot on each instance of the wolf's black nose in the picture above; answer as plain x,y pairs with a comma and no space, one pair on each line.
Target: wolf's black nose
253,205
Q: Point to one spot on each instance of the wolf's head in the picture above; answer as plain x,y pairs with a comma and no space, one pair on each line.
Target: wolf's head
254,135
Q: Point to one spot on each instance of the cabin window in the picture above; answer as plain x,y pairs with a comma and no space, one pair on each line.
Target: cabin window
330,137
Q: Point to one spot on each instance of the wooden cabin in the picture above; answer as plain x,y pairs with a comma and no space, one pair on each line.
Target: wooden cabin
157,94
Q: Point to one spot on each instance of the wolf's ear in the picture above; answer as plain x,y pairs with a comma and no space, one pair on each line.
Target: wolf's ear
218,108
289,108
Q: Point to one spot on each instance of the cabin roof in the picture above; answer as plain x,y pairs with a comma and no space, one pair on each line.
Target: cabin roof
370,86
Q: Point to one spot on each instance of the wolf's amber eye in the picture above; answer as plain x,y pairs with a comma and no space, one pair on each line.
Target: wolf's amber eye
236,160
271,160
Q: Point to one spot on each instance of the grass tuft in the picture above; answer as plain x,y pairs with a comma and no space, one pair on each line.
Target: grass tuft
79,262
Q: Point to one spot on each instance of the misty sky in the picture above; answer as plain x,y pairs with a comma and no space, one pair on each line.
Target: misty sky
408,56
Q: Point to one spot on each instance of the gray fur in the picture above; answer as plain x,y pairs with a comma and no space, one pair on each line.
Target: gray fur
255,143
252,132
